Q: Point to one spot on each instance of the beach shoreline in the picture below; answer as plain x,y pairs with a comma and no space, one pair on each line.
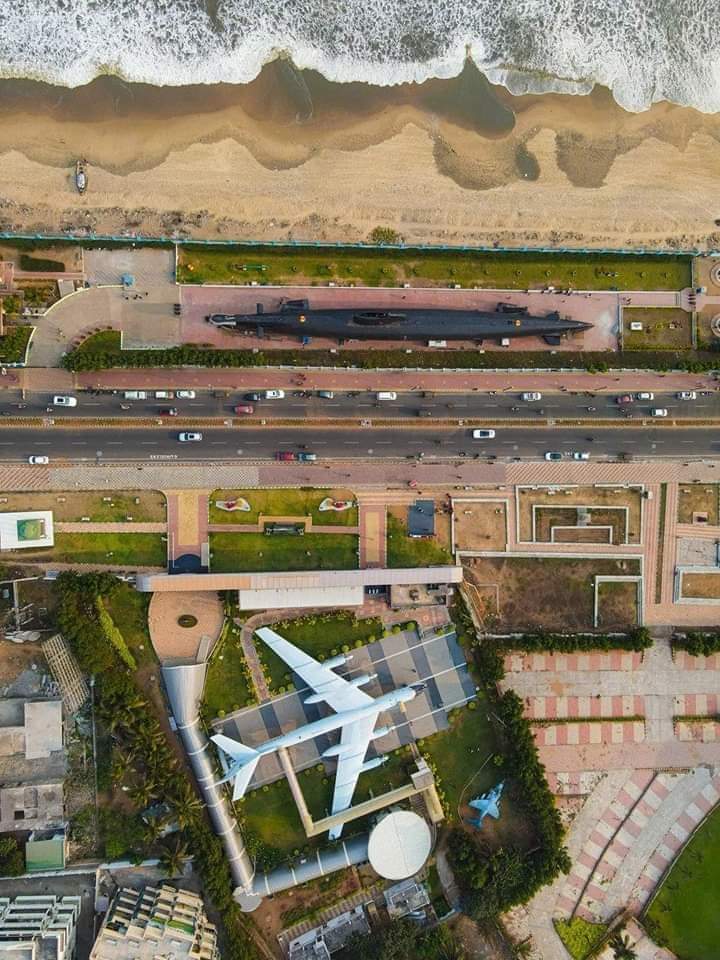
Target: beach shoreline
292,156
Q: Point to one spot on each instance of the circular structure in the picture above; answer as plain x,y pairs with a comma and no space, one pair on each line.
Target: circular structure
715,275
399,845
187,620
715,325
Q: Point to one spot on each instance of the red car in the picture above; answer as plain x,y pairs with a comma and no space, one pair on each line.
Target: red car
625,398
244,408
170,412
285,455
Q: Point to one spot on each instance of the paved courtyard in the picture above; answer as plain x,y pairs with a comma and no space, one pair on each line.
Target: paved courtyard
401,658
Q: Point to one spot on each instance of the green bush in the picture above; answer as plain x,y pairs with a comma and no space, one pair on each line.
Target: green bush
40,264
698,644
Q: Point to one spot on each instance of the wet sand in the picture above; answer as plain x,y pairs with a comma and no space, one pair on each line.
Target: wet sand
294,156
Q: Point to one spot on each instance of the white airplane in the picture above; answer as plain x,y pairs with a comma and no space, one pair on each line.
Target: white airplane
355,713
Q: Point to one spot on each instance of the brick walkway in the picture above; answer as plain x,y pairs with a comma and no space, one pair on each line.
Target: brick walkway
65,526
373,534
187,516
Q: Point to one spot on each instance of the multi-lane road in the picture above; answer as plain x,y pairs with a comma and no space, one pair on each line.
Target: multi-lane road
427,442
359,404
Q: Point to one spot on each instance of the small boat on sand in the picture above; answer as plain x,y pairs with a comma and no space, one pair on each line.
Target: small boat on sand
81,179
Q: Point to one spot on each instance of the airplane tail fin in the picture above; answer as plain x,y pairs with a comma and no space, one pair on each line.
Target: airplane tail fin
244,761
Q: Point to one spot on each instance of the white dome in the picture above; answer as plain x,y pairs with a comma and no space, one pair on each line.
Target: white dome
399,845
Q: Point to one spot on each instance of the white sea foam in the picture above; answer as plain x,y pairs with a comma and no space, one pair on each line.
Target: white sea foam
643,50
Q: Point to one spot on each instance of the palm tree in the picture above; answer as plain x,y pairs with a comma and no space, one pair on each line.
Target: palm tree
185,804
143,793
622,948
173,857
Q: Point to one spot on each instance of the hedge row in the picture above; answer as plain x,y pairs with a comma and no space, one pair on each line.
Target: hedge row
698,644
636,639
100,355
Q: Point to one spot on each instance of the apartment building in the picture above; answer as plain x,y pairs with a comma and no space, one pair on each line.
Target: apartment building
39,928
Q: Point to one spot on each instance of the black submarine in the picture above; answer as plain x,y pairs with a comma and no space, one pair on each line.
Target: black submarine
297,317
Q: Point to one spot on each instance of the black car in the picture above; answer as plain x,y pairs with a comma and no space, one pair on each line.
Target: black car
253,397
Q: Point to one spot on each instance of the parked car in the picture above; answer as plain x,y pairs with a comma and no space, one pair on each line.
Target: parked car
164,395
63,401
285,455
531,396
135,394
387,395
644,396
483,434
244,408
274,394
326,394
658,412
254,397
169,412
307,457
189,437
553,455
186,394
38,460
581,455
625,398
686,395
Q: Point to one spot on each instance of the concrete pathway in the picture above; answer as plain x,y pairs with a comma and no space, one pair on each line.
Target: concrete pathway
187,516
65,526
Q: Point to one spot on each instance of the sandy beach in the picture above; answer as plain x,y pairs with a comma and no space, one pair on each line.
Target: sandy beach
294,156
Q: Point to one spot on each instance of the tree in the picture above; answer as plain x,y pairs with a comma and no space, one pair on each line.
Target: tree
173,856
12,861
185,804
622,947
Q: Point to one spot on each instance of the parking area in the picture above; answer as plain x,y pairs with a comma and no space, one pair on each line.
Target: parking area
401,658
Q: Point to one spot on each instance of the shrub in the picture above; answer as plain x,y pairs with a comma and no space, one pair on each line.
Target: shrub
698,644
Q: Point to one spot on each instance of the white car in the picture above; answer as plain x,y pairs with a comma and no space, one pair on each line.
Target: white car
581,455
38,460
531,396
483,434
686,395
189,437
658,412
63,401
274,394
644,396
185,394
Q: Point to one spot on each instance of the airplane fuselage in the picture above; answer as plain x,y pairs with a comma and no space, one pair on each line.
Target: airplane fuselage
337,720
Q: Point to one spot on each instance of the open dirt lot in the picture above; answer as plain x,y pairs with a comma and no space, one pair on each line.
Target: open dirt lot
595,497
701,585
142,505
547,518
540,592
480,524
698,498
617,605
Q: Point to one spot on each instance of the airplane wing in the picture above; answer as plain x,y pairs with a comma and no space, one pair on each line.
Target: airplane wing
336,692
354,742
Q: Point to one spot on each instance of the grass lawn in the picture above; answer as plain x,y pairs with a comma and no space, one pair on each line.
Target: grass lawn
579,936
701,585
405,551
386,267
698,498
617,605
664,328
227,686
684,915
127,549
284,503
321,636
437,894
459,751
237,552
72,506
129,610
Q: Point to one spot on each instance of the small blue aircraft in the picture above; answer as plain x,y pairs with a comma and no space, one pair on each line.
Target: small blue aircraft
487,805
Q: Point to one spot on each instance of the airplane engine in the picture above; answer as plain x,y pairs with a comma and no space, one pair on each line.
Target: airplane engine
334,751
362,679
337,661
372,764
380,732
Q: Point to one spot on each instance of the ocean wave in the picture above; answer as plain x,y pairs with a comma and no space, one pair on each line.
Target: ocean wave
642,50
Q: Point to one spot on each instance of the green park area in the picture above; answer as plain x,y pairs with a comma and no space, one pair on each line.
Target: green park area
663,328
13,344
122,549
238,552
405,551
144,506
388,267
227,686
684,914
129,611
291,502
321,636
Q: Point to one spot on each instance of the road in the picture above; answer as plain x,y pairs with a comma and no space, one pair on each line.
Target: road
248,443
363,404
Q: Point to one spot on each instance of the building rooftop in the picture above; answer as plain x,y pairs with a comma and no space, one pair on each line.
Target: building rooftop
320,942
421,518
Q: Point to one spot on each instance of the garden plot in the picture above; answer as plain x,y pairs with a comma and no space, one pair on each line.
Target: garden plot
479,525
699,585
563,524
698,503
617,604
551,593
541,508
